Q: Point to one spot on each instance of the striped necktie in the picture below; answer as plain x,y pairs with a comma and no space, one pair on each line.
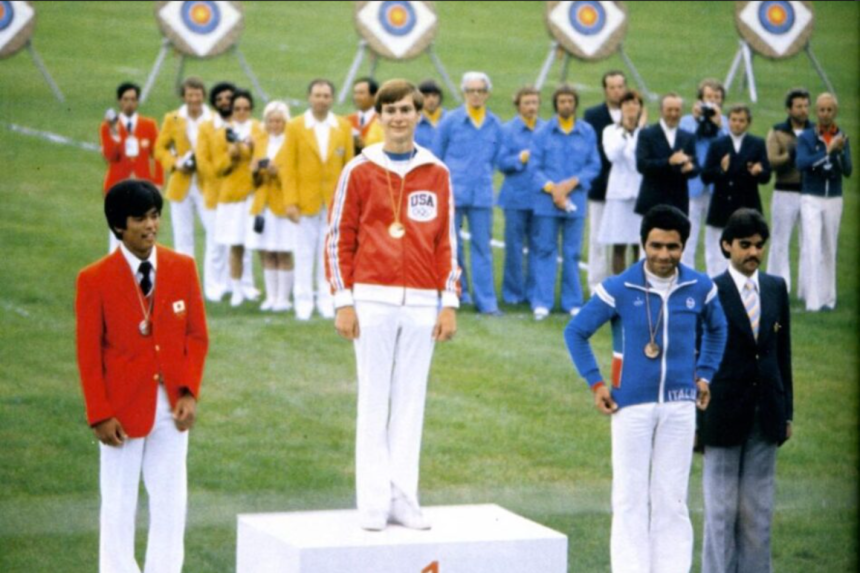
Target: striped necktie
752,306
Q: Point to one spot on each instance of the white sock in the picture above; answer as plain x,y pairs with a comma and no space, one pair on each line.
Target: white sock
285,286
270,276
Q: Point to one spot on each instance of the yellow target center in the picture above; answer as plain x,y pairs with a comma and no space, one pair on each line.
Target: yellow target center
200,14
398,16
588,16
776,14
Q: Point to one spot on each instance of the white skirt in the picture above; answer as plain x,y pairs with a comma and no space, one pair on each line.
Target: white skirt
278,236
232,221
620,224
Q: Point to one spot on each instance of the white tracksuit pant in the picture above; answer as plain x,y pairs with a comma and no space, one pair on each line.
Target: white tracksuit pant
652,451
715,262
393,354
698,214
310,252
161,457
821,217
785,213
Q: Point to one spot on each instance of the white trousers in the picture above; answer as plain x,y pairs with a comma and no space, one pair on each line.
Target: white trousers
598,253
785,214
161,457
715,262
215,272
393,354
310,252
820,219
698,213
652,450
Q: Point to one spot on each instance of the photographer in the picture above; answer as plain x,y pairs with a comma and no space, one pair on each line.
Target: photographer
706,123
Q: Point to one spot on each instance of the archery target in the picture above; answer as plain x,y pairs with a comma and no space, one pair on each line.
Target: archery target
396,29
588,29
775,28
17,22
200,28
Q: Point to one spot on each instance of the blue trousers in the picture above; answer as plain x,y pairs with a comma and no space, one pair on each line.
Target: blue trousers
518,286
481,228
545,239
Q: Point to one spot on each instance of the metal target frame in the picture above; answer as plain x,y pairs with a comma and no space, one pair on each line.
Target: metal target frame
171,38
560,40
751,43
378,49
23,38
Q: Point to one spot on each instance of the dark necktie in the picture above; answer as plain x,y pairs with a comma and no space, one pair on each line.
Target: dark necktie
130,128
145,282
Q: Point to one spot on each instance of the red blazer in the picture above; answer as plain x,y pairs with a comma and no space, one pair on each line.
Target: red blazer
120,369
120,167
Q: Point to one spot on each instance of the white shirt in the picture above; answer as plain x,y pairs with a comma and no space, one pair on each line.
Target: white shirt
660,285
365,117
615,114
125,120
243,130
670,132
737,141
192,126
134,263
275,143
322,130
741,279
620,149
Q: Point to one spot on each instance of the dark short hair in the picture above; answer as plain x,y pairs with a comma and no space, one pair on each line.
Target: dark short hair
741,108
631,95
796,93
372,84
124,87
218,88
240,93
194,83
612,73
130,198
394,91
431,87
667,218
321,81
743,223
565,89
525,91
712,83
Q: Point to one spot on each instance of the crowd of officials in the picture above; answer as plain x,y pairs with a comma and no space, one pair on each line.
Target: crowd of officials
266,185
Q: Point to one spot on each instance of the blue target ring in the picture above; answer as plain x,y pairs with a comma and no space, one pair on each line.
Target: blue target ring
397,17
7,14
587,17
776,16
201,16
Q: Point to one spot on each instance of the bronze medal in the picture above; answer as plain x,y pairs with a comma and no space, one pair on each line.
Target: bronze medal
396,230
144,327
652,350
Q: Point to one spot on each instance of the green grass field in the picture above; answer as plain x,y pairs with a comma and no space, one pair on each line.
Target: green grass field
508,420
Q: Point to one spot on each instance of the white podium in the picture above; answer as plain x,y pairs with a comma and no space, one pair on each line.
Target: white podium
464,539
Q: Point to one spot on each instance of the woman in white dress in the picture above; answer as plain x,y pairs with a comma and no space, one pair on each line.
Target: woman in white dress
620,224
272,233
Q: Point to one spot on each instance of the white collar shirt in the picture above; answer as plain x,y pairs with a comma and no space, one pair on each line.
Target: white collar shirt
134,263
192,125
741,279
670,132
737,141
322,130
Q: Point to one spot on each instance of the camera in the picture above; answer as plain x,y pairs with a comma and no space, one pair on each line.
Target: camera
232,136
111,115
263,163
707,129
709,110
190,162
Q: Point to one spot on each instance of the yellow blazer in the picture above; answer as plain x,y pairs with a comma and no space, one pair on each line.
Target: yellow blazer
212,158
238,181
172,144
270,190
310,183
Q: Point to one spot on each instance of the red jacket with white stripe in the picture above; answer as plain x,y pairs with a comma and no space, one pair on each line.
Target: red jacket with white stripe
364,262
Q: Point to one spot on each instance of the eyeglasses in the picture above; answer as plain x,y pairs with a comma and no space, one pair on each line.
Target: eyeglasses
475,90
241,108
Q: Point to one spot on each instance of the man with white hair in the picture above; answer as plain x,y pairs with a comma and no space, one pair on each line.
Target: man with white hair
823,158
468,140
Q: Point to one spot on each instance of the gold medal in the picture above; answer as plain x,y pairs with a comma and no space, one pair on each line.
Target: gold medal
144,327
396,230
652,350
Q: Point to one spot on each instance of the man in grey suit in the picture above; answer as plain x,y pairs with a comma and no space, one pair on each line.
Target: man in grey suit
751,407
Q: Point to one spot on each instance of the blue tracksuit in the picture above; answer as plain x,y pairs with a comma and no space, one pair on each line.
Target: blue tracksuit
426,131
671,376
822,173
515,198
556,156
471,154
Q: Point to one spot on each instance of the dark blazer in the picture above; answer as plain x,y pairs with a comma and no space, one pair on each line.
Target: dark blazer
752,373
663,184
734,188
598,117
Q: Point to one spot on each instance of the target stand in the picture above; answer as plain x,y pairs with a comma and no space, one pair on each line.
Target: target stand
17,25
588,30
200,29
775,29
395,30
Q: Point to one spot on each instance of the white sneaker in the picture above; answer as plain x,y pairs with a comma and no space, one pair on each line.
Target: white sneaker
541,313
282,306
575,310
326,311
236,298
268,304
372,520
408,515
250,292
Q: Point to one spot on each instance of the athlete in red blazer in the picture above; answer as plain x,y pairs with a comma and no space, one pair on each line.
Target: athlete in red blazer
133,159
